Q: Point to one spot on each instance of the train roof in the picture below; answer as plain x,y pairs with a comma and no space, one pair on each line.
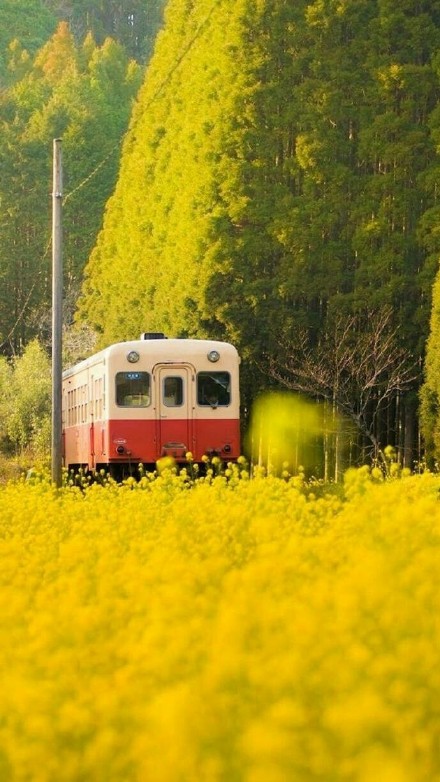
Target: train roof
164,349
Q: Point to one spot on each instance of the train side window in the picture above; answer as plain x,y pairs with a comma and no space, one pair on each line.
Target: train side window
132,389
173,391
213,389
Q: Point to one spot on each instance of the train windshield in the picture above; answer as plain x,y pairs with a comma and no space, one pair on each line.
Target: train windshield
132,389
214,389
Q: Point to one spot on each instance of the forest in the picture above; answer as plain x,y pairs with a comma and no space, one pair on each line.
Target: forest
264,172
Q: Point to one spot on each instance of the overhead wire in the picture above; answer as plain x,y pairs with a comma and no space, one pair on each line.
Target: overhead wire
9,336
155,95
98,167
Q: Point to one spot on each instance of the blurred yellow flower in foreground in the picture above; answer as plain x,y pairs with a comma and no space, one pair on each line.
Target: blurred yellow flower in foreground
240,630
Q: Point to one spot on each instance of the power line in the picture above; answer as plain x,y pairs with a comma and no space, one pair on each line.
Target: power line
28,298
113,149
92,173
153,98
185,51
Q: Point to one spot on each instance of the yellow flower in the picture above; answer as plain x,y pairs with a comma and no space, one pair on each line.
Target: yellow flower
231,627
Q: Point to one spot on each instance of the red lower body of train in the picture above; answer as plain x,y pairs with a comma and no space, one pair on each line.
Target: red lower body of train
128,442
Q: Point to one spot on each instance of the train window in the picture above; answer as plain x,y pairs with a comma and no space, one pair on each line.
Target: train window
173,391
132,389
214,389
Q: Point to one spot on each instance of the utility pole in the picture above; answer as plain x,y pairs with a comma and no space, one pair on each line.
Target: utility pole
57,313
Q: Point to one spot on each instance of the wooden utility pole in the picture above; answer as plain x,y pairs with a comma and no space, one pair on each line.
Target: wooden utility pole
57,313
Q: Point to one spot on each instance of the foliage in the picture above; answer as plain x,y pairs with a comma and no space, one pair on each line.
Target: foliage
27,22
149,633
30,23
25,401
78,342
280,176
5,384
279,164
133,23
429,230
82,94
430,395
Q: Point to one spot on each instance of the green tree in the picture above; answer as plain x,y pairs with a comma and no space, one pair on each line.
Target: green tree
28,21
430,391
275,177
5,385
429,234
83,95
26,400
133,23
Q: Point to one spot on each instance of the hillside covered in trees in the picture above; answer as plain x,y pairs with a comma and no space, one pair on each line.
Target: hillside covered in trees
61,74
133,23
278,187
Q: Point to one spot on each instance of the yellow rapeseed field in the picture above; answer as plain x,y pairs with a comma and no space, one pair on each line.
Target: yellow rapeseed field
244,630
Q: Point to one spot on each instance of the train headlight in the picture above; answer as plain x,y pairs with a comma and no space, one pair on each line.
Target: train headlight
213,356
133,356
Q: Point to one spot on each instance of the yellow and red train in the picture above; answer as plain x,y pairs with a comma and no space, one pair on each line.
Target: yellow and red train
135,402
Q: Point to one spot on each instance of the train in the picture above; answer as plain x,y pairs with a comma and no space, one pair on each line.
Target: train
135,402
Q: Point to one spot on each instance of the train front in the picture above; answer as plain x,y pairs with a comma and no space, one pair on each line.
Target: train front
171,397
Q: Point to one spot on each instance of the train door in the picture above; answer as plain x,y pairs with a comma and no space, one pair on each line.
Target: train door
174,386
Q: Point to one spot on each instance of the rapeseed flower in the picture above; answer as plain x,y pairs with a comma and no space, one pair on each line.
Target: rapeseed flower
240,628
